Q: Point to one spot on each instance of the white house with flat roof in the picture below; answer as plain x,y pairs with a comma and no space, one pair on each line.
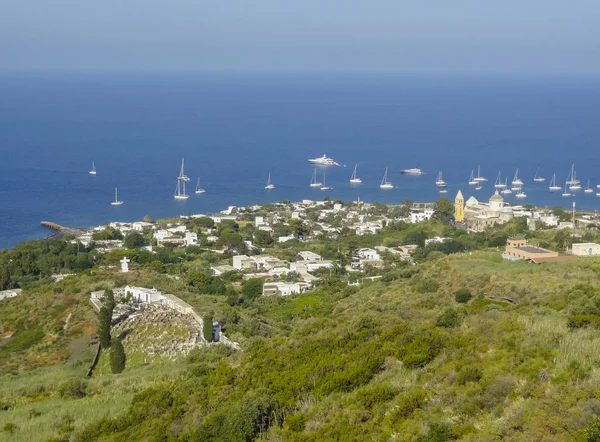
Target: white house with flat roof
309,256
585,249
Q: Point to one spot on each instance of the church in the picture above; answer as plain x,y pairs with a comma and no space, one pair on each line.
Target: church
479,216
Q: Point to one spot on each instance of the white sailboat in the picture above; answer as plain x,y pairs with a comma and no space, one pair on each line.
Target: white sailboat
566,191
355,179
270,185
506,190
553,187
537,178
520,194
588,189
182,176
93,171
199,190
472,181
516,182
385,184
577,184
499,184
479,178
572,180
313,181
440,180
116,202
325,186
442,190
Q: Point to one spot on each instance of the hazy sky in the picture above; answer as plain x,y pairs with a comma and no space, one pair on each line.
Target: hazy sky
307,35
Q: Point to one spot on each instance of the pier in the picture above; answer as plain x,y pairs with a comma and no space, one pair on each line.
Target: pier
62,230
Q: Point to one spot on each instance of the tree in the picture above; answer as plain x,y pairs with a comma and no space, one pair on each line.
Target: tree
117,356
462,295
263,238
105,319
204,221
207,331
230,239
252,288
443,210
133,240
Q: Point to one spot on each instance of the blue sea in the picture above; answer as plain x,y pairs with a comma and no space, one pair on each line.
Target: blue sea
233,130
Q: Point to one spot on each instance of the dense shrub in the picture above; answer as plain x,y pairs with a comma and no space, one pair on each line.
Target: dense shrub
579,321
463,295
409,402
376,395
437,432
496,391
73,388
449,318
469,374
422,349
427,285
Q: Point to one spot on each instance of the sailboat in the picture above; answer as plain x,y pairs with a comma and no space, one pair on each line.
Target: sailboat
537,178
325,186
572,180
553,187
385,184
93,171
516,182
520,194
313,181
443,190
499,184
588,189
566,191
199,190
479,178
440,181
576,185
472,181
182,176
270,185
354,179
116,202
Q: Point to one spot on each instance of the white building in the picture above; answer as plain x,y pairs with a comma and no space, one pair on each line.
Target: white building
367,254
586,249
142,294
139,226
286,238
283,288
243,262
309,256
417,216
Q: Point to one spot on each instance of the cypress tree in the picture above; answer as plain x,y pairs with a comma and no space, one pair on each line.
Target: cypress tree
207,326
117,356
105,319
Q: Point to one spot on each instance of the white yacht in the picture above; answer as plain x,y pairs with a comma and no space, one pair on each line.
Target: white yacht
566,192
323,161
199,190
553,187
116,202
478,186
414,171
354,179
537,178
472,180
516,182
180,193
588,189
440,180
443,190
93,171
520,194
325,186
314,182
572,179
182,176
270,185
499,184
479,178
576,185
385,184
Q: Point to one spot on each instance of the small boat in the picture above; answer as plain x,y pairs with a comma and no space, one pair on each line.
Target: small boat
520,194
199,190
355,179
325,186
588,189
572,179
440,180
270,185
499,184
443,191
537,178
414,171
180,189
478,186
314,182
479,178
385,184
576,185
553,187
506,191
323,161
116,202
472,180
93,171
516,182
566,191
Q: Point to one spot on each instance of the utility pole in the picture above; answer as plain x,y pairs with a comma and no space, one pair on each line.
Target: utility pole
573,214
